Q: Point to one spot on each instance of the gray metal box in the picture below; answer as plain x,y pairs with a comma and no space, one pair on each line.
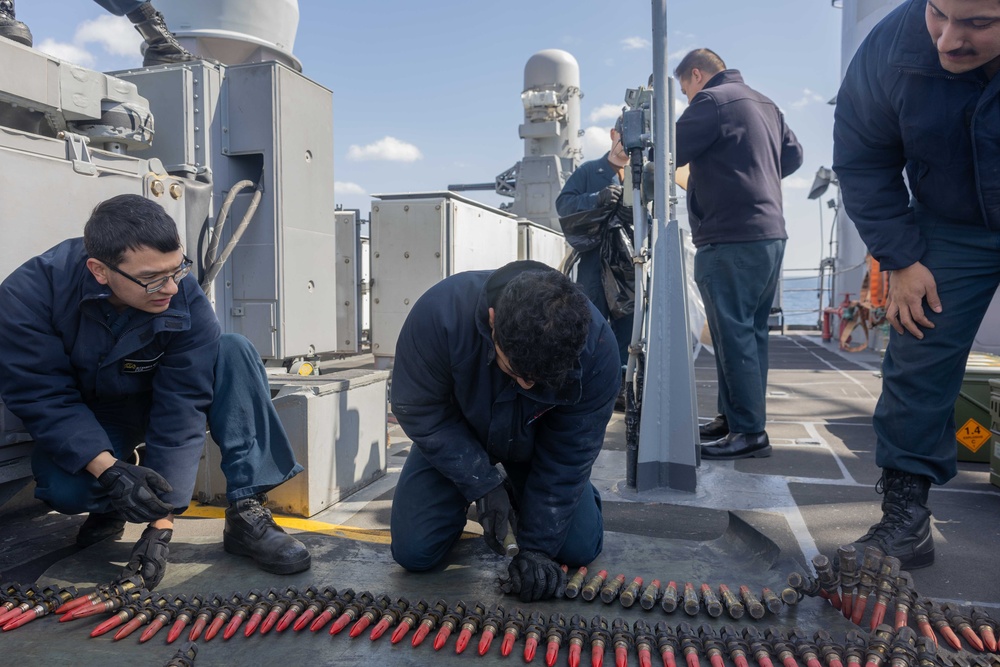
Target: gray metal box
538,242
281,277
77,183
266,123
421,238
337,427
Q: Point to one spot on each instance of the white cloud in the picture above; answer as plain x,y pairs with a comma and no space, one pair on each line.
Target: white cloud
112,35
677,55
68,52
595,142
797,183
808,97
386,148
606,112
115,33
348,188
635,43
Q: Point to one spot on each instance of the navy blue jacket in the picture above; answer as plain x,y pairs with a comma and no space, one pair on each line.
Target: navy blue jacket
896,108
583,186
465,414
59,362
739,149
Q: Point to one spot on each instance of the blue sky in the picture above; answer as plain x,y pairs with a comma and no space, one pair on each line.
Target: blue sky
427,94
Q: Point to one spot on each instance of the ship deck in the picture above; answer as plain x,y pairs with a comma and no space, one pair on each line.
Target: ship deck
750,522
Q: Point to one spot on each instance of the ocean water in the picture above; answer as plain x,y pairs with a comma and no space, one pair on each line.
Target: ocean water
800,300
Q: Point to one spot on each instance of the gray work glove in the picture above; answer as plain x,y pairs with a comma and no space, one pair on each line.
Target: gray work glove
609,196
496,516
535,576
149,557
133,490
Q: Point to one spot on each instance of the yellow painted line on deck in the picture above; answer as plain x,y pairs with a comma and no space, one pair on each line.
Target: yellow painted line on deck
377,536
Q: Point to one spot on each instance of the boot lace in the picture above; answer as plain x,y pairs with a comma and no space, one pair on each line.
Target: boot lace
896,511
255,512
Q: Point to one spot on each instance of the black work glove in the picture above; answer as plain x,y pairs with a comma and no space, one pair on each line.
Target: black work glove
535,576
133,492
609,196
149,557
496,516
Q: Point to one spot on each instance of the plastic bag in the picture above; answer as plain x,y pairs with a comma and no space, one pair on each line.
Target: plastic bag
585,230
617,268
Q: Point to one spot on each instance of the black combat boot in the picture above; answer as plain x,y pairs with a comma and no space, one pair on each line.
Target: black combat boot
10,27
905,528
715,429
162,48
251,531
99,527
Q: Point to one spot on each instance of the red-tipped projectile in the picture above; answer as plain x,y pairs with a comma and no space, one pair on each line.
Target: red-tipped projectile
950,637
215,627
302,621
400,632
321,621
197,629
597,656
971,637
153,628
878,615
176,630
859,609
270,621
927,631
463,640
486,641
574,655
107,626
341,623
989,638
421,634
442,636
530,647
129,628
380,628
508,644
286,620
359,627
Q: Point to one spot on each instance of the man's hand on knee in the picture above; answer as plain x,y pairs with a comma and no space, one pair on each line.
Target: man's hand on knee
535,576
149,556
133,492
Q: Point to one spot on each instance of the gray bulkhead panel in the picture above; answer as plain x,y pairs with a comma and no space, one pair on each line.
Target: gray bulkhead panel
283,275
348,279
